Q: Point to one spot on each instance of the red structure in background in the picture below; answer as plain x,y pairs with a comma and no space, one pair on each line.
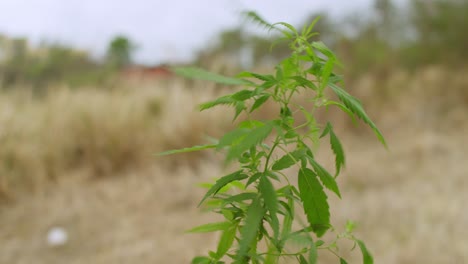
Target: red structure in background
147,73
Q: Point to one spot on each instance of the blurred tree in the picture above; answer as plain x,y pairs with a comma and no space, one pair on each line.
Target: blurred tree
3,43
440,31
231,50
60,63
119,52
233,44
3,47
38,67
16,54
264,53
386,20
232,40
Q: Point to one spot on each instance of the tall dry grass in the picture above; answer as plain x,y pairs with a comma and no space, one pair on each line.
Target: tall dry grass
104,132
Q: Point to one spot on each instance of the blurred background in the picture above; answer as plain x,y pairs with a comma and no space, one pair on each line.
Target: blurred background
87,98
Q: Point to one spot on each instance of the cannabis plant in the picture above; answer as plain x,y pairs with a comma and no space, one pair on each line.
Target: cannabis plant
259,216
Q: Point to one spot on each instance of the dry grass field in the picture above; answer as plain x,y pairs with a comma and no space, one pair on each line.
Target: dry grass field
84,160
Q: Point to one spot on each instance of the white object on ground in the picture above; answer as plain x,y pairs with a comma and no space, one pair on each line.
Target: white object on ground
57,236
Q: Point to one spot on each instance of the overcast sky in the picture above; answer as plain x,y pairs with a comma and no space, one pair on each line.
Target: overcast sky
164,30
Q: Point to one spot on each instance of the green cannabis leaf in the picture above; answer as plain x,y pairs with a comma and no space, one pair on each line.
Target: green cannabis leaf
314,200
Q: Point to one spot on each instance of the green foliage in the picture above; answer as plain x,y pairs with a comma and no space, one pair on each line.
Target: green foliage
119,52
367,257
253,217
211,227
336,147
49,63
355,106
262,149
201,74
440,27
185,150
236,176
314,201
